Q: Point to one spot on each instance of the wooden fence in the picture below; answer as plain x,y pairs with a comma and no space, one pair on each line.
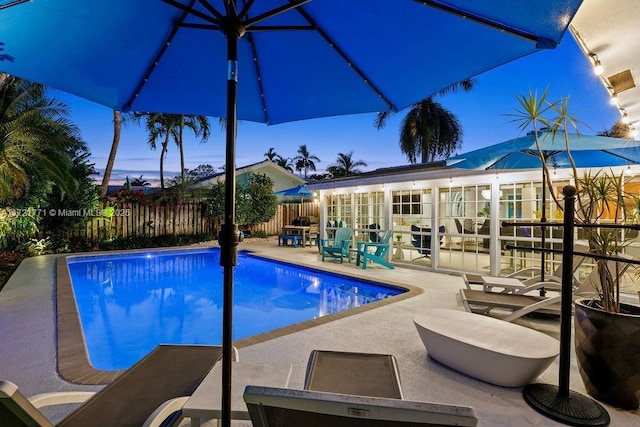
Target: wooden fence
133,219
285,214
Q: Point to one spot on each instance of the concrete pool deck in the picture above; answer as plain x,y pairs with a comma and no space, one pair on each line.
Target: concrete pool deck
28,340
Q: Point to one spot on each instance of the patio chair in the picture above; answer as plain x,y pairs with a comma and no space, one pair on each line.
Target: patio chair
338,247
363,374
374,236
375,252
422,241
481,302
278,407
169,371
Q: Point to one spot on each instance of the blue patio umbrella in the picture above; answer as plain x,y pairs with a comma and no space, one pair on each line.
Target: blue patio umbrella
297,191
295,59
587,151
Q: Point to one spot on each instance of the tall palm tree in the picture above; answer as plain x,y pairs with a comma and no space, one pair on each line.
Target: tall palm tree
35,139
305,160
285,163
160,127
117,124
272,155
429,130
345,165
199,125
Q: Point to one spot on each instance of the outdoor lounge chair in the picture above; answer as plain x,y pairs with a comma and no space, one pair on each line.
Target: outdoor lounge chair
278,407
421,240
530,276
363,374
339,246
481,302
375,252
167,372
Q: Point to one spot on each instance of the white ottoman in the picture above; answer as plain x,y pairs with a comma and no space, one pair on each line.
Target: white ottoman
486,348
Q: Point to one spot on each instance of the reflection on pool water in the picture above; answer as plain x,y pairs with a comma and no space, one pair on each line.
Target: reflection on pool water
129,303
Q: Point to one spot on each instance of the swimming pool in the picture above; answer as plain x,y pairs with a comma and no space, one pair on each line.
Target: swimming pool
129,303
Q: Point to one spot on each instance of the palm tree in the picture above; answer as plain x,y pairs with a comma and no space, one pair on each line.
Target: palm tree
305,160
199,125
429,130
117,123
285,163
160,127
139,182
272,155
36,139
345,165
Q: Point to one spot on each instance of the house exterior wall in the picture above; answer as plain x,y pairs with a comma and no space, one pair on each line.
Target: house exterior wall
470,206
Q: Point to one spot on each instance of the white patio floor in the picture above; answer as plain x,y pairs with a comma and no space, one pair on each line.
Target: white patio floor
28,355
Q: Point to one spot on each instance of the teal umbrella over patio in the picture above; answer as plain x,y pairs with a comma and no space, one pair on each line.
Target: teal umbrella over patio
297,191
275,60
587,151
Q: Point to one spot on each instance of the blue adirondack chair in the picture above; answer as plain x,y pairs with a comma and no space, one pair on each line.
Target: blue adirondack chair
374,251
339,246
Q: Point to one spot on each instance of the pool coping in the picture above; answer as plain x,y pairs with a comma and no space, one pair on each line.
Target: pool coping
73,358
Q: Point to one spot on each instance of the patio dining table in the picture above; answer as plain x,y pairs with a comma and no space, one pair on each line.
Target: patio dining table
298,230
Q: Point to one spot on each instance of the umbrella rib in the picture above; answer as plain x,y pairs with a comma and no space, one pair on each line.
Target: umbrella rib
256,63
211,9
626,159
200,26
346,58
12,3
277,11
160,54
189,10
245,9
492,165
540,41
260,28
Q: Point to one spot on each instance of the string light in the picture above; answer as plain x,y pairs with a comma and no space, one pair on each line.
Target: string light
614,98
597,65
625,118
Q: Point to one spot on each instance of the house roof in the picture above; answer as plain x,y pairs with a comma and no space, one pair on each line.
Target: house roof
608,31
253,168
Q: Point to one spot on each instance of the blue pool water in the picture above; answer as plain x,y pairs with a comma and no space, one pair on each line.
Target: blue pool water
130,303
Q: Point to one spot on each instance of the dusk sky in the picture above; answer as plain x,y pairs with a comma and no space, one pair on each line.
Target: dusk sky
565,71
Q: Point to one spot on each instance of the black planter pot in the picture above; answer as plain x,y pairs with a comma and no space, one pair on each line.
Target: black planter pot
608,353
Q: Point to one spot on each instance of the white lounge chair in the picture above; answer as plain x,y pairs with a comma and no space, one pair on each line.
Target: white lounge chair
167,372
475,301
277,407
530,277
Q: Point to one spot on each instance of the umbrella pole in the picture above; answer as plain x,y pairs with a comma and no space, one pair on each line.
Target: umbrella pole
543,219
229,235
559,403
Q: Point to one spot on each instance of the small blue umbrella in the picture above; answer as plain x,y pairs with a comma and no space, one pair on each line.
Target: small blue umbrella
295,59
297,191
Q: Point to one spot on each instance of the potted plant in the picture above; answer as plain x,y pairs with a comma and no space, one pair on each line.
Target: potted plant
607,331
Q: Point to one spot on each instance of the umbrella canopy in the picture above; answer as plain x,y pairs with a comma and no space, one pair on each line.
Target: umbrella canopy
338,57
297,191
588,151
296,59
